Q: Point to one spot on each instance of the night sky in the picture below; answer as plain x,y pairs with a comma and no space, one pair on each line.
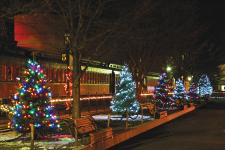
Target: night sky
173,28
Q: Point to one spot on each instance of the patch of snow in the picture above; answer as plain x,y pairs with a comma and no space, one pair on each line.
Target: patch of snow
119,117
25,148
10,135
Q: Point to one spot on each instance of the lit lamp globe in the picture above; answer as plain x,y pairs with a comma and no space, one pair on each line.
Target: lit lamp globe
168,68
189,78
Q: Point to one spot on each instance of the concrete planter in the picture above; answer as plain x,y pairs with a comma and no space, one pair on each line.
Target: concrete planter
161,114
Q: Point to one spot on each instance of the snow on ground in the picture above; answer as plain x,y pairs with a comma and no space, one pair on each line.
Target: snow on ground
10,135
66,143
118,117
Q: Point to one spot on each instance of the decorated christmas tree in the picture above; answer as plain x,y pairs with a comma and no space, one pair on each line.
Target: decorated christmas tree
193,92
32,105
125,97
204,86
162,90
180,93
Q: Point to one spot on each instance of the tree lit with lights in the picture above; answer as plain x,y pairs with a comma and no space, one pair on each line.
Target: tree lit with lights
32,105
204,86
162,90
179,92
125,97
193,92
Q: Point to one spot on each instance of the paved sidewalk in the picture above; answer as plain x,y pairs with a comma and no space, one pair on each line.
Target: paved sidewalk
130,133
203,129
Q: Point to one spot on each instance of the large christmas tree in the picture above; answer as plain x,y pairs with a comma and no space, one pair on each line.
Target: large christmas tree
193,92
180,93
162,90
32,105
204,86
125,97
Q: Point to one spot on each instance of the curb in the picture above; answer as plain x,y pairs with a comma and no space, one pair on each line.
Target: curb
126,135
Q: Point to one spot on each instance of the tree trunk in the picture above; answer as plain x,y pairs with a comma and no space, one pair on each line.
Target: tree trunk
138,90
76,85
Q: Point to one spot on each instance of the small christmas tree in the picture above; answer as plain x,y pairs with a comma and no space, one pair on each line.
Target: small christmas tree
204,86
125,97
180,93
32,104
162,90
193,92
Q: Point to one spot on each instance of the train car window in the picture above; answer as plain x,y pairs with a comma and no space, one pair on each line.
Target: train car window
107,78
9,72
97,78
1,72
55,75
82,78
85,77
46,73
88,78
50,74
101,78
16,72
64,75
93,78
59,75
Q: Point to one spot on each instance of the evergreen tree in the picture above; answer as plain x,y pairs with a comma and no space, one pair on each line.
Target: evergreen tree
204,86
32,105
193,92
162,90
179,92
125,97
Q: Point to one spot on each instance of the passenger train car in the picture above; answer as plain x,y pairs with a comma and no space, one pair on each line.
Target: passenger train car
97,79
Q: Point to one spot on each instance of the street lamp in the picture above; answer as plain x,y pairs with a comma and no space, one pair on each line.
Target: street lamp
168,68
189,78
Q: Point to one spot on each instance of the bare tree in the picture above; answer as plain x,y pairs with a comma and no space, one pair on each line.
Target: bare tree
139,58
89,24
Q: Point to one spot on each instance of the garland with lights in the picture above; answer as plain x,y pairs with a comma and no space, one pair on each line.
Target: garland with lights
32,101
204,86
125,97
6,108
68,86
